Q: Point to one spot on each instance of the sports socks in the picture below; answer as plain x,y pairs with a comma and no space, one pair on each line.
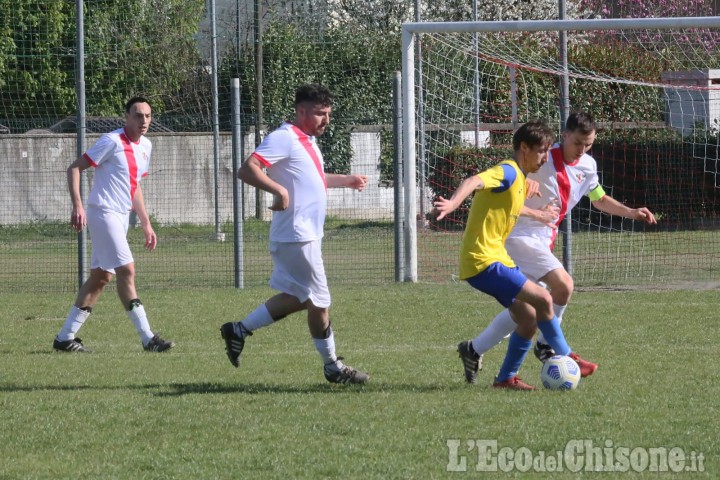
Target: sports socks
73,322
517,350
553,334
503,325
136,314
258,318
500,327
559,310
326,348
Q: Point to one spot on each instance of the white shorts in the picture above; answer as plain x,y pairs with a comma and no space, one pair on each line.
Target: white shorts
108,237
298,270
533,256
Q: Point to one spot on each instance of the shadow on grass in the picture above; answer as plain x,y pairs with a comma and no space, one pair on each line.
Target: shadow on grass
179,389
263,388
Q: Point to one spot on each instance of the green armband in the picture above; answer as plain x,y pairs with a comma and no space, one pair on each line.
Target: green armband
596,194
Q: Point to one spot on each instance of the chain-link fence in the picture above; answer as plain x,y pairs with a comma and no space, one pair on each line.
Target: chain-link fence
173,53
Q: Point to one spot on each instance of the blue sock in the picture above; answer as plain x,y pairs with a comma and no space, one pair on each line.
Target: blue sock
518,347
553,334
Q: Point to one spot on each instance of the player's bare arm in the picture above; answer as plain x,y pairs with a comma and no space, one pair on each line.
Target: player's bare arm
609,205
444,206
251,172
78,219
141,211
358,182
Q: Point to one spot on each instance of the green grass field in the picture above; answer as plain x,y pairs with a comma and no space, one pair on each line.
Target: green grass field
42,257
123,413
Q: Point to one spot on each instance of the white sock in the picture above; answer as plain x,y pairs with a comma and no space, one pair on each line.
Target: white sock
326,349
139,319
258,318
501,326
559,310
73,322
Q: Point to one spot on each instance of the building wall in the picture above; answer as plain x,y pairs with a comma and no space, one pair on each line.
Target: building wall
181,184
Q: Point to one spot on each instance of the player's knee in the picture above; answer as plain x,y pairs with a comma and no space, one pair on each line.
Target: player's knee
100,278
543,304
126,271
562,290
562,294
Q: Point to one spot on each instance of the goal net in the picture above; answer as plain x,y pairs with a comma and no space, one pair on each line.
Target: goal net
653,86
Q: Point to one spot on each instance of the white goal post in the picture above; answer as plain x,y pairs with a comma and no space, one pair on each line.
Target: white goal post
410,91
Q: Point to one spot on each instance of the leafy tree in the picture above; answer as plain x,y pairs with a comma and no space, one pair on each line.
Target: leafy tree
134,47
356,68
36,64
139,47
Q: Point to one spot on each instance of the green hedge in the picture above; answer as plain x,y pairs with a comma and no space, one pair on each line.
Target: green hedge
676,178
452,167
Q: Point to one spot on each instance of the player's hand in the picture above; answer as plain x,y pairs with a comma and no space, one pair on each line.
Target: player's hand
150,237
280,201
358,182
532,188
549,215
645,215
78,220
443,207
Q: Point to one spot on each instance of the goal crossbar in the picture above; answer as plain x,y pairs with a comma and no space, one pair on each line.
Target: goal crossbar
561,25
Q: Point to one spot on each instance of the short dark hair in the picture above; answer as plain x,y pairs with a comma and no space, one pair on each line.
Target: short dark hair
133,101
580,122
314,93
533,133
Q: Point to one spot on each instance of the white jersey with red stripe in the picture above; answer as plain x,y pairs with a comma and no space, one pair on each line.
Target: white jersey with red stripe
293,160
119,165
561,183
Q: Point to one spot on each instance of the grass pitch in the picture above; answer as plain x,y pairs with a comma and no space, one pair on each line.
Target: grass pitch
124,413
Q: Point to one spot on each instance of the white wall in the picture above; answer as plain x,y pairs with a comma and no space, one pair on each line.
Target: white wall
180,187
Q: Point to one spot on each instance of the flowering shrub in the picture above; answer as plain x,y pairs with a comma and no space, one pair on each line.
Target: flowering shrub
389,15
647,8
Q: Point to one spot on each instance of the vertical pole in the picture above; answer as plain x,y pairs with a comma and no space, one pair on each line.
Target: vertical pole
219,236
398,176
565,79
564,112
259,211
238,193
408,139
476,78
238,19
81,130
422,163
514,97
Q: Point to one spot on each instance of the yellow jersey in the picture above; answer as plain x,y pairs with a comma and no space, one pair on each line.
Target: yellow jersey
493,214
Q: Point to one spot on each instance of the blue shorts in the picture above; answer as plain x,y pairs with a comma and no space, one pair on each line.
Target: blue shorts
499,281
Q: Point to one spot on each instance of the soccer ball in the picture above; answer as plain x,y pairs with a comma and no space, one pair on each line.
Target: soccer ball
560,373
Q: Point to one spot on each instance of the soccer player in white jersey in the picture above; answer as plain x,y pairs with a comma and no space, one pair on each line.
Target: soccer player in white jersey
296,178
569,174
121,159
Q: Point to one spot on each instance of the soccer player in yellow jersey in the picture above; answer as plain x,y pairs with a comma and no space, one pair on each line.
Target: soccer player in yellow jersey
485,264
